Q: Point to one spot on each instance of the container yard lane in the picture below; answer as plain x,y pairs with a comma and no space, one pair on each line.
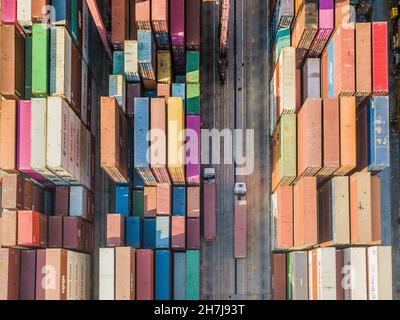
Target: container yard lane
238,103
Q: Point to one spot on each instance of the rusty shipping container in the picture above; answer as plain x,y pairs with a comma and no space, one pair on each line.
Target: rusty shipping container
240,230
145,275
363,62
279,276
119,23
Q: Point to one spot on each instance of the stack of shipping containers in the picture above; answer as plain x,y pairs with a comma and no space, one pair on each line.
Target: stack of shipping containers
153,234
330,130
47,149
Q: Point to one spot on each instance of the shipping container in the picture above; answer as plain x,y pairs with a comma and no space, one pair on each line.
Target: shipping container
177,27
379,266
192,17
297,271
282,215
176,139
282,40
279,276
305,219
380,82
40,293
334,212
209,214
118,62
8,136
122,200
345,12
119,23
178,235
193,142
115,230
113,140
240,230
13,192
286,96
322,274
143,13
179,276
164,66
149,233
163,275
179,201
164,199
57,260
145,274
363,62
133,90
131,68
192,275
193,233
354,270
311,79
283,15
147,55
162,232
192,67
9,11
37,13
80,201
78,234
179,91
40,60
27,275
150,202
9,274
138,203
32,229
125,273
117,89
309,138
107,274
133,232
193,202
160,22
193,98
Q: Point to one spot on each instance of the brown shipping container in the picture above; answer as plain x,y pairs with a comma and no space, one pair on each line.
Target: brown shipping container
113,137
13,192
37,10
360,208
9,274
362,139
9,229
37,198
145,275
240,230
192,19
55,231
209,214
348,148
339,275
279,276
56,259
178,232
305,213
309,138
193,202
283,218
331,137
363,62
115,230
150,201
164,199
8,136
32,229
27,195
61,201
40,293
119,23
193,234
78,234
27,276
132,20
12,57
376,209
125,273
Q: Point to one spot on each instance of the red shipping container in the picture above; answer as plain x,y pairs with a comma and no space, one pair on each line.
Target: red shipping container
210,220
119,23
32,229
193,234
55,231
150,201
240,229
159,15
9,274
78,234
380,82
145,275
305,213
13,192
279,276
115,230
142,13
178,233
61,201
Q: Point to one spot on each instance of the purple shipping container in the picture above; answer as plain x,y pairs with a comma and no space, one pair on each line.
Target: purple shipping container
193,150
27,285
178,23
311,79
193,234
325,27
134,90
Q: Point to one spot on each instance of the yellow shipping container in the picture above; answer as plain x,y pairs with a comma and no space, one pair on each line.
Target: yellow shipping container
164,66
176,140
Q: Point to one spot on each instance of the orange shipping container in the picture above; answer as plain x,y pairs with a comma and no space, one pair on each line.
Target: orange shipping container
115,230
57,262
344,12
8,136
159,15
348,148
119,23
331,138
193,202
150,201
376,209
164,199
305,213
309,138
125,273
142,11
363,62
282,208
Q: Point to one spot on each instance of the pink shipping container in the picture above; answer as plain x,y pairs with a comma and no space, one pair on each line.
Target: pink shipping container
193,150
8,11
380,84
145,275
24,140
210,223
240,230
164,199
193,234
177,13
178,233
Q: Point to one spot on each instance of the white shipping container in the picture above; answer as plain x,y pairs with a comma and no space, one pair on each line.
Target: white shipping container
354,273
131,60
82,270
380,273
117,89
24,15
88,159
326,274
84,102
88,279
60,63
311,256
341,210
58,136
107,274
78,125
287,80
272,103
70,275
76,276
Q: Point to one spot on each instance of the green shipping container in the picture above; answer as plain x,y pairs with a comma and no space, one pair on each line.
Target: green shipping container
193,98
289,277
288,149
282,41
28,68
192,274
192,67
40,60
74,20
138,203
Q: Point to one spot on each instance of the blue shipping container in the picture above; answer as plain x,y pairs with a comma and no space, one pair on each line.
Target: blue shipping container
179,90
114,89
141,127
118,62
180,276
378,134
122,200
162,232
150,94
76,208
149,233
162,40
163,275
138,182
179,201
61,12
133,232
145,46
331,70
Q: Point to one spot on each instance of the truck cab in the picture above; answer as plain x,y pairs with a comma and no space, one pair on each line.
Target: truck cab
240,189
